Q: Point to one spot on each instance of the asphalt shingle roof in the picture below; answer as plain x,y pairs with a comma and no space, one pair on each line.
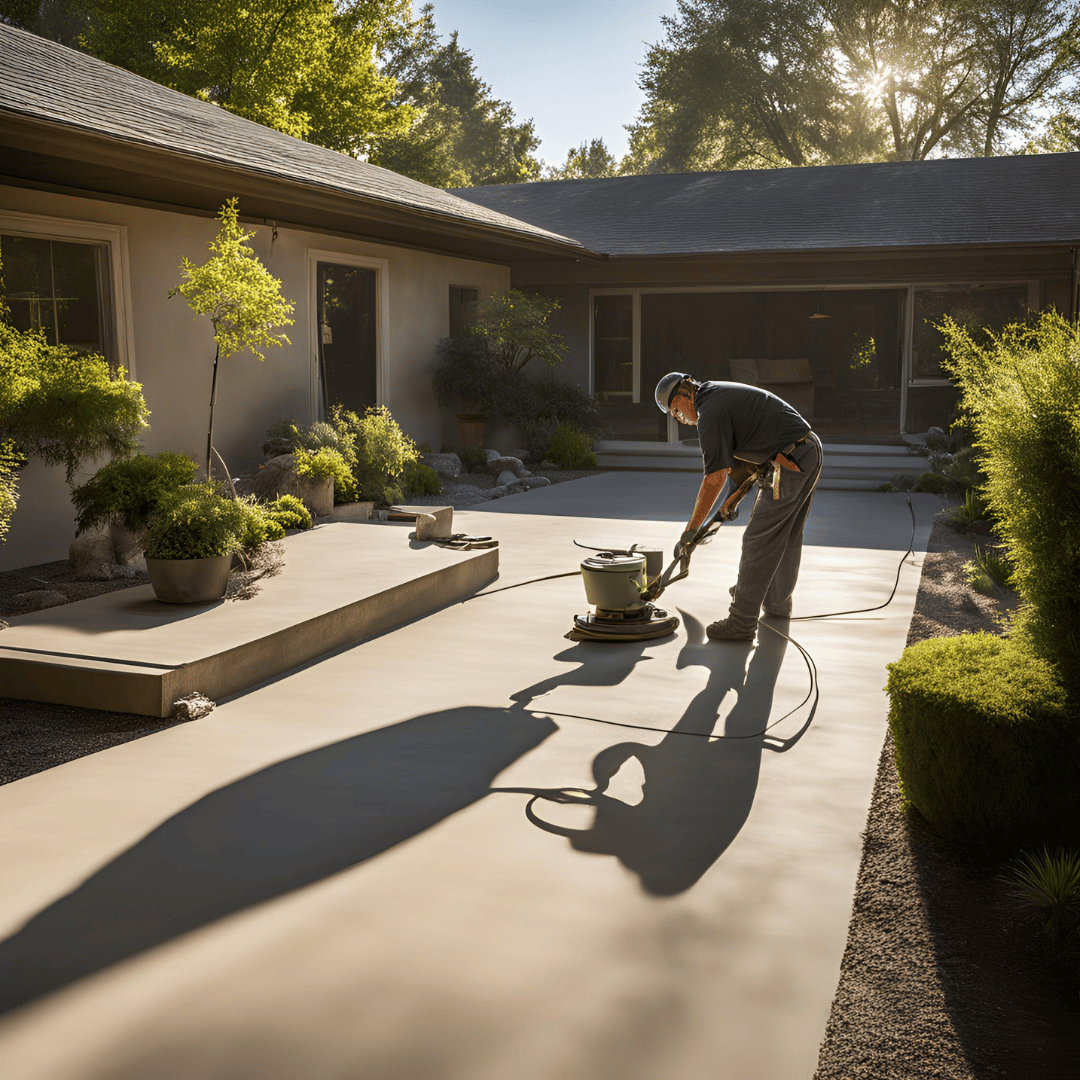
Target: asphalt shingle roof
46,81
1008,200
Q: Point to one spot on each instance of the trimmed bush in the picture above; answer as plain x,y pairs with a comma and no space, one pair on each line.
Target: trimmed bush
420,479
571,448
259,525
986,744
196,522
128,491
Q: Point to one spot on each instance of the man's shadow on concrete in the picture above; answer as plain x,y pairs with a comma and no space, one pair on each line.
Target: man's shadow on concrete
278,830
697,792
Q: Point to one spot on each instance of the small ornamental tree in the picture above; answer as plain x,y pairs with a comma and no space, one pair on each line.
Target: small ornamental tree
516,329
240,297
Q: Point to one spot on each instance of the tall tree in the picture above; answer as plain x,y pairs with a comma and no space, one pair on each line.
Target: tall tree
746,83
752,83
461,136
306,67
587,161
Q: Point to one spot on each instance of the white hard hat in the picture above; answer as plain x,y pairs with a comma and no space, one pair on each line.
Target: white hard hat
665,388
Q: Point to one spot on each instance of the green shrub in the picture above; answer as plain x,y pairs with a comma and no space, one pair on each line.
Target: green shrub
933,482
282,437
464,373
1021,397
420,479
986,745
571,448
537,406
259,525
320,464
1048,882
475,457
289,512
128,491
196,522
989,570
383,451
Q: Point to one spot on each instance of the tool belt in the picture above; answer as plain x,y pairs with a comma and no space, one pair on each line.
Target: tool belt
770,471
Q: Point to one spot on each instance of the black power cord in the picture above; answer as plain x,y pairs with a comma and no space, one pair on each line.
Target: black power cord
814,691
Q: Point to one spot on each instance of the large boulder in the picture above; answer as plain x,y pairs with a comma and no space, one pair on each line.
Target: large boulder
92,555
508,464
127,547
448,466
278,477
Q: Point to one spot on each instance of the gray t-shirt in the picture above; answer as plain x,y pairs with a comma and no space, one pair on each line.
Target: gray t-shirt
736,420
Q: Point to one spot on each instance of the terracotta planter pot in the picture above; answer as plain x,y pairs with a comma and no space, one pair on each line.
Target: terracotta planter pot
189,581
471,430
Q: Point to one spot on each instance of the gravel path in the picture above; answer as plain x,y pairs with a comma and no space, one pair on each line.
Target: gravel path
939,980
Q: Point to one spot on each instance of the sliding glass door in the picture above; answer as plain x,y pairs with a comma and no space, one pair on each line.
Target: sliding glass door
346,302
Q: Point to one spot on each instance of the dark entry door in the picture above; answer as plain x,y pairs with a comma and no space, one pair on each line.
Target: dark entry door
348,361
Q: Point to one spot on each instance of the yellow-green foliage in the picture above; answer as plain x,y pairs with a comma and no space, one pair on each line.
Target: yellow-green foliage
986,743
1021,397
289,512
197,522
59,405
420,479
129,490
571,448
235,291
383,452
320,464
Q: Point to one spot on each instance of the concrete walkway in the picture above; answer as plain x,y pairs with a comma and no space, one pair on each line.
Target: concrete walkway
344,873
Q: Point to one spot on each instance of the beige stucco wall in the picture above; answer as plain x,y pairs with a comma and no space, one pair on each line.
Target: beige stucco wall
173,350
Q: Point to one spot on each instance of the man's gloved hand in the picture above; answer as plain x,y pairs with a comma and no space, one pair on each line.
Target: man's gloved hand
687,538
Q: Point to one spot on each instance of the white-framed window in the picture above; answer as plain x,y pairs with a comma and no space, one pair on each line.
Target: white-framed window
349,315
70,280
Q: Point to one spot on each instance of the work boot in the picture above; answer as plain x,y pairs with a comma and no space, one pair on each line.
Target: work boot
732,628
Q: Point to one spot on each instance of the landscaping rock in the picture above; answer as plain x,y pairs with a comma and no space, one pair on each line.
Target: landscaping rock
91,554
505,477
39,599
448,466
278,477
531,482
492,455
127,547
514,465
192,707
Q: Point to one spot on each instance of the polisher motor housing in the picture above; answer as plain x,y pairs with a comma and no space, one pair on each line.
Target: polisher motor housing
614,585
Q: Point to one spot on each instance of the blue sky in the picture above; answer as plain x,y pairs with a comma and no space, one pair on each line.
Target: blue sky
570,65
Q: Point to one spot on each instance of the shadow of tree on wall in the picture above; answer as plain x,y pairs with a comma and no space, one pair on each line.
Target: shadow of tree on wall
282,828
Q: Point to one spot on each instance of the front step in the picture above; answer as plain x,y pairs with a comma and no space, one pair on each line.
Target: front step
848,466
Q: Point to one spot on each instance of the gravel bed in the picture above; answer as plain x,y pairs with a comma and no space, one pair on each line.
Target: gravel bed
941,979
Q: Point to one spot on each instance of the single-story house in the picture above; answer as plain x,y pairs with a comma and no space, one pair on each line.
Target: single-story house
108,180
820,283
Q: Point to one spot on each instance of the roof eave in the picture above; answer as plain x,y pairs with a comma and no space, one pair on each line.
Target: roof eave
174,170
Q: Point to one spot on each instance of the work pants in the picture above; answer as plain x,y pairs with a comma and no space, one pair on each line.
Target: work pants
772,542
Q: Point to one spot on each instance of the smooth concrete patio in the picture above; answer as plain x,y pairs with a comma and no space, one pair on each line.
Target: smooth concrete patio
129,652
344,873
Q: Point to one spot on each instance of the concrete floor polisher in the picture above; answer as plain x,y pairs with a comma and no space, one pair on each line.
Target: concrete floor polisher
622,585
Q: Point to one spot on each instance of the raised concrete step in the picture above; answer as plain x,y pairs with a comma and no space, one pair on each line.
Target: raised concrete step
127,652
848,466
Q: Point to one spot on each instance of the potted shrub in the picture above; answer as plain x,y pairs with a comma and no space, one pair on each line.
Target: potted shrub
190,543
465,374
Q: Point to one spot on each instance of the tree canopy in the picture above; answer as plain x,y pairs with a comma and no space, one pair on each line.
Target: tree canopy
587,161
761,83
460,135
309,68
